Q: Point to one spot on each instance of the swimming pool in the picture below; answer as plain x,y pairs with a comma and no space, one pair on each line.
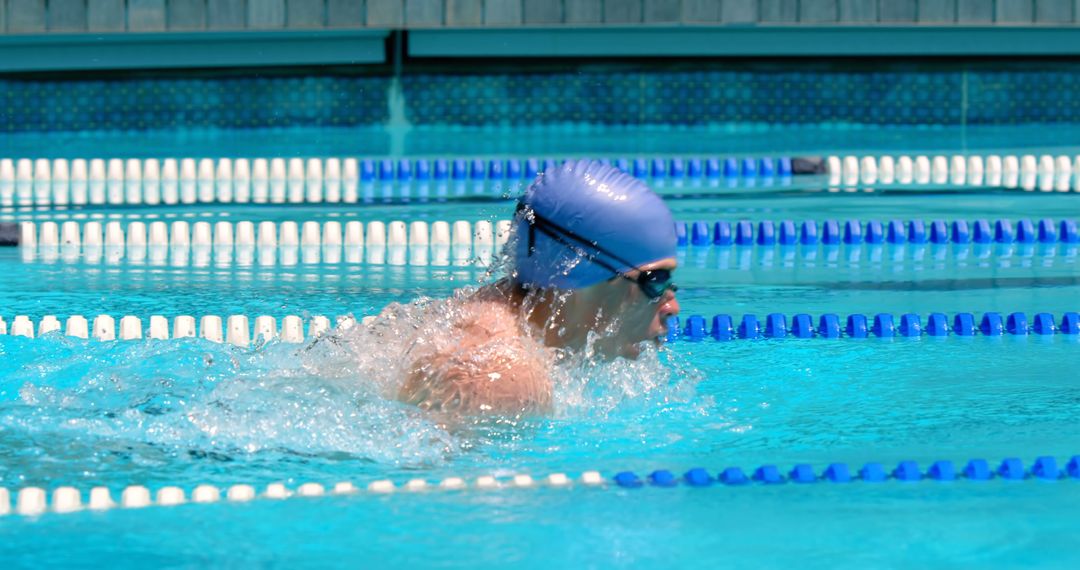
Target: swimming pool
189,412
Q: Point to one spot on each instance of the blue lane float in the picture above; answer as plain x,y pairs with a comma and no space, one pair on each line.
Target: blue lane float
896,232
658,168
881,325
1010,469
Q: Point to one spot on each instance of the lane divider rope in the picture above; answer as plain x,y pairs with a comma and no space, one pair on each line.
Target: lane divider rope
181,233
117,181
152,181
36,501
461,243
237,330
854,232
882,325
481,256
240,330
1045,468
1045,172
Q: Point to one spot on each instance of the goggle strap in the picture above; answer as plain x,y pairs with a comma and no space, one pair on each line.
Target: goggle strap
552,230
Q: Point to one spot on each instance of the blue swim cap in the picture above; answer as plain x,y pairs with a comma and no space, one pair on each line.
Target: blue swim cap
582,218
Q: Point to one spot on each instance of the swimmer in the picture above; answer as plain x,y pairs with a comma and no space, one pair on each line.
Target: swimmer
591,257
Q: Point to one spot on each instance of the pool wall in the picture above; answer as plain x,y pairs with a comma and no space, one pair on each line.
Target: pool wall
615,93
94,65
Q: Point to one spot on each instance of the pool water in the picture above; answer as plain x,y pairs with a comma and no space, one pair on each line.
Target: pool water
189,412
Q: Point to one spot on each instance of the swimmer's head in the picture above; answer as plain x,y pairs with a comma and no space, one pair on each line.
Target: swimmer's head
603,235
583,222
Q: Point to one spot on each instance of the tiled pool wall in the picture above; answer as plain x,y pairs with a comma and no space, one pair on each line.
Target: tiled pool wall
596,94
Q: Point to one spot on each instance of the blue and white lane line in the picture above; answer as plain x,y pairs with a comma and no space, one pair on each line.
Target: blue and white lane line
115,181
35,501
243,331
873,232
280,180
882,325
1044,468
354,233
1046,172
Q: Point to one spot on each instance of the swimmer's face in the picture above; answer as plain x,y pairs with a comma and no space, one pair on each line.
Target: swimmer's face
639,318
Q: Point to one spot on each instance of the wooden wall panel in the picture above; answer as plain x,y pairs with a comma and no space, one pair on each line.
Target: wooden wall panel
424,13
622,11
937,11
894,11
345,13
226,14
464,12
185,14
583,12
146,15
309,14
67,16
778,10
542,11
502,12
385,13
663,11
975,11
266,14
1015,11
105,16
859,11
1054,11
818,11
701,11
25,16
739,11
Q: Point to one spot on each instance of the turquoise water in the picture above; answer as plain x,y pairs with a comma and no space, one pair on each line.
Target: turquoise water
190,412
732,138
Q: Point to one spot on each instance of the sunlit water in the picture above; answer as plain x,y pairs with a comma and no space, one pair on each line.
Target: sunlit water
189,412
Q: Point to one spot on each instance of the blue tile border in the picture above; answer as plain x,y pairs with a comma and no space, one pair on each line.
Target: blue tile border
613,96
149,104
696,98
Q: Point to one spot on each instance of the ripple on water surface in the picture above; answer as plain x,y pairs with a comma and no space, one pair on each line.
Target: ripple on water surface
189,411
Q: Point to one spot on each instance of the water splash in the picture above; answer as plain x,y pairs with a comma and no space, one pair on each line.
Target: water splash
96,408
68,405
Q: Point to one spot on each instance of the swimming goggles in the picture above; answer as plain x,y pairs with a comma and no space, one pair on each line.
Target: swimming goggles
653,282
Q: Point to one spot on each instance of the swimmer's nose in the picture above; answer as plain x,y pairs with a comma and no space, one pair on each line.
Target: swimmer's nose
670,306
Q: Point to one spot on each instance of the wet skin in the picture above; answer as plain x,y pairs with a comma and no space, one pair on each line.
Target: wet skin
500,355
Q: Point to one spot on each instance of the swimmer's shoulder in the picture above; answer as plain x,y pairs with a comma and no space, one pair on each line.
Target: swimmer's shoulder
484,321
493,364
